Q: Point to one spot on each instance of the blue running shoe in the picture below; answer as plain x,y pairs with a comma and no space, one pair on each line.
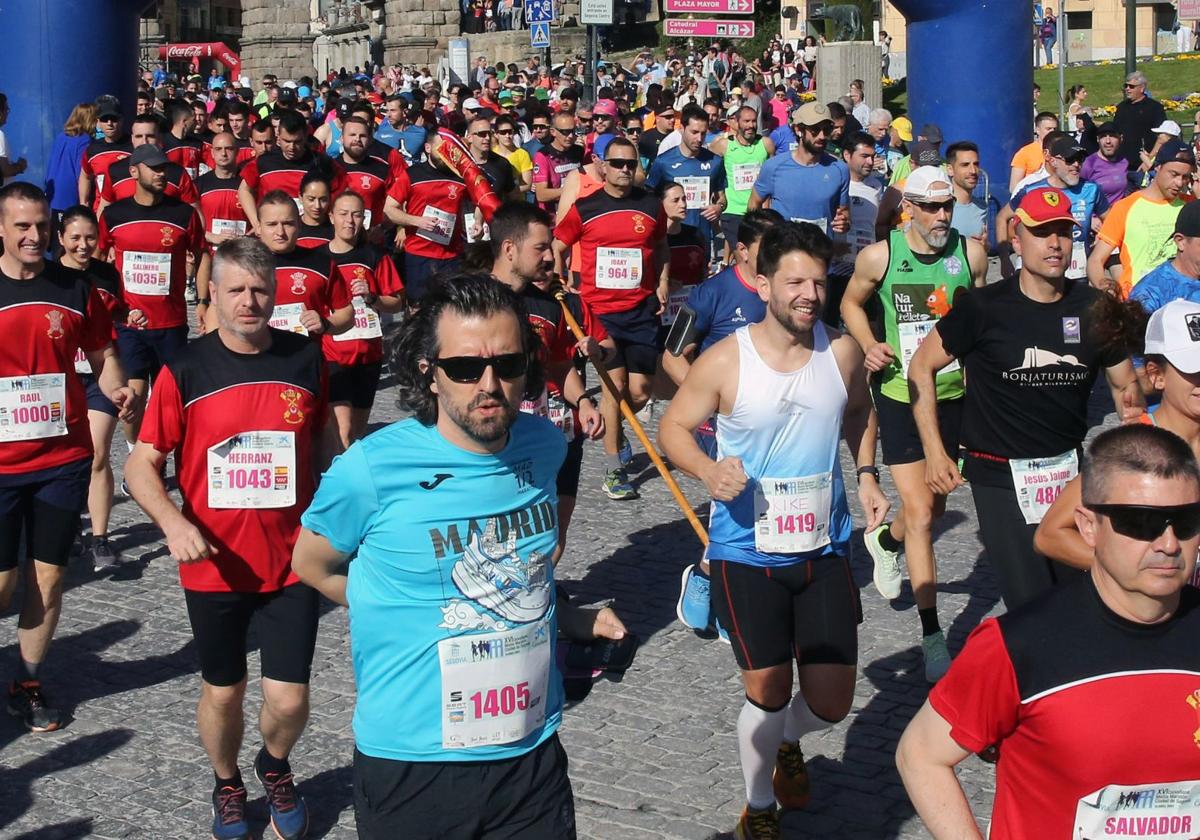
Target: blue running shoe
289,814
617,487
721,634
693,607
229,813
626,453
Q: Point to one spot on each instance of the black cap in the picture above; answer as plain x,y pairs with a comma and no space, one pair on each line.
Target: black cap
931,132
108,106
287,94
1067,148
1188,220
924,153
343,109
1174,151
1108,129
148,154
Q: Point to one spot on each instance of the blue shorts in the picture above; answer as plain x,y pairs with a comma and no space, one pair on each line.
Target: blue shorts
45,504
96,401
143,352
419,274
637,335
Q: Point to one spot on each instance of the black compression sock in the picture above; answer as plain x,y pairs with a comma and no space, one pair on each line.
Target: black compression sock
889,542
268,763
234,782
929,621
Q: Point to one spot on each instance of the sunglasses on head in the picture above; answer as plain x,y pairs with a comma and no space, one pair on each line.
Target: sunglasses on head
622,163
468,369
1145,523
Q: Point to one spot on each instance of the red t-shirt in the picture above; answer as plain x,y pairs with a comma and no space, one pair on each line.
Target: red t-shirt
188,153
369,180
219,204
617,238
149,282
1080,702
428,191
45,322
314,236
272,171
395,161
306,277
245,152
374,265
206,407
120,184
97,158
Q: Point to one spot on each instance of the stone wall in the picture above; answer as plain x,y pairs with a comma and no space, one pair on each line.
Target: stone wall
276,38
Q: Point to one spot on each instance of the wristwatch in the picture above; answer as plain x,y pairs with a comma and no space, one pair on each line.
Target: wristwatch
873,471
203,301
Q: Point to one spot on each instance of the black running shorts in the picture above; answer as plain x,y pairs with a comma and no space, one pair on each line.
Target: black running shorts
354,384
523,798
46,505
898,435
808,610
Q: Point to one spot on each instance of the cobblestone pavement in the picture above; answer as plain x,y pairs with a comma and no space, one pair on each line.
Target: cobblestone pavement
652,756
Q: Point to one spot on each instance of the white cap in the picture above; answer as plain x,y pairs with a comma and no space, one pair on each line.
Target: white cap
1168,127
923,184
1174,332
472,104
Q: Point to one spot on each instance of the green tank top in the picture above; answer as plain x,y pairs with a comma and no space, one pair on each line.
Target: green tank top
741,171
915,295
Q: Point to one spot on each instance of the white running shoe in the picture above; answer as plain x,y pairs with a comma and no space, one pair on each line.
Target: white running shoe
887,576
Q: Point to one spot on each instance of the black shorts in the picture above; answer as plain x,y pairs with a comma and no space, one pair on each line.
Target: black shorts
637,337
898,436
528,797
568,473
45,504
420,272
96,401
729,229
808,610
354,384
143,352
286,625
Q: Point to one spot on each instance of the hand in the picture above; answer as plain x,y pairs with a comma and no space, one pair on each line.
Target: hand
607,625
1132,404
201,318
941,473
137,319
400,233
841,220
187,544
663,292
879,356
590,419
426,223
360,288
712,212
312,322
725,479
591,348
126,402
874,503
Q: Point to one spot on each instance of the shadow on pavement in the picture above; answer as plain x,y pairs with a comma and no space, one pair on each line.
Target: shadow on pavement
328,794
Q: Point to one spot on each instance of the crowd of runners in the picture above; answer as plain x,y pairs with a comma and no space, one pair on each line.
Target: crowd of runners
226,273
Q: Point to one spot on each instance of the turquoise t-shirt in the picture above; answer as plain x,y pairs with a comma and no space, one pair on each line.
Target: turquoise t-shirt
452,610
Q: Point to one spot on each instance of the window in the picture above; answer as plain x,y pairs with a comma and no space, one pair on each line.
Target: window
1079,21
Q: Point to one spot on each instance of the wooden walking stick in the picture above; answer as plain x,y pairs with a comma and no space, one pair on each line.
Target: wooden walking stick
627,410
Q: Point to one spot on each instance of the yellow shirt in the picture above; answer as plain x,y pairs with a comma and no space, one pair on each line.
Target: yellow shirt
519,158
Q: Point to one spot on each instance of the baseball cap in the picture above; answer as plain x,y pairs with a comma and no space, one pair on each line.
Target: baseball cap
811,113
1109,129
1043,206
541,94
664,109
1174,332
1174,151
1187,222
605,107
924,153
932,132
903,126
601,144
1168,127
737,91
108,106
472,104
928,183
1067,148
148,154
505,97
343,109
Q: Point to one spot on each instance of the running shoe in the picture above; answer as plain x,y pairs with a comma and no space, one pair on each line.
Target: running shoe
646,415
229,813
125,489
189,291
103,557
791,778
693,606
722,635
937,656
758,825
289,814
625,453
887,576
26,701
617,487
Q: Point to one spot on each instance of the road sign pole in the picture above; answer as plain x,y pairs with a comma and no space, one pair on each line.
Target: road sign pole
589,89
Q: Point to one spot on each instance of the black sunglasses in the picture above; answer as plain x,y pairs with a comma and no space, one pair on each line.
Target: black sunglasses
633,131
1146,523
622,163
467,369
935,206
539,127
565,132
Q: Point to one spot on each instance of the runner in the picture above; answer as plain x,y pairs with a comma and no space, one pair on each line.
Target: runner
1178,278
1041,685
179,141
284,169
1030,355
700,172
151,237
866,191
100,154
552,163
1028,158
743,153
119,182
243,411
970,213
219,207
625,279
917,275
479,755
782,582
366,176
1106,167
48,313
1140,225
262,139
369,280
79,233
316,230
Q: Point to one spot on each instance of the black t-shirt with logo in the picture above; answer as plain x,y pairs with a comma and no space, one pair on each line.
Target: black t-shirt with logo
1030,368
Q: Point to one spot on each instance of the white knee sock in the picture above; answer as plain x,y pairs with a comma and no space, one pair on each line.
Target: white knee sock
760,732
801,720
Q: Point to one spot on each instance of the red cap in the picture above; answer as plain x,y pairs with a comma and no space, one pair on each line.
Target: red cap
1044,205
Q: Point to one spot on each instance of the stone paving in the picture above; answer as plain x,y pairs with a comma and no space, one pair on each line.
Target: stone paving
651,756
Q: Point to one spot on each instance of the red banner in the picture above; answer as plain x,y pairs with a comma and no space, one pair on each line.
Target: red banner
195,52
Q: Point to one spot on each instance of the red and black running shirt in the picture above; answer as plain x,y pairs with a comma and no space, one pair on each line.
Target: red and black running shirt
272,171
243,429
375,266
617,238
369,180
395,161
245,152
98,156
425,190
219,205
689,256
315,236
43,408
152,244
307,276
1079,699
188,153
120,183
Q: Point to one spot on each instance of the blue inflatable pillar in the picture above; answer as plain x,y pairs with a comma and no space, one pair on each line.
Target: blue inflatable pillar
970,70
58,53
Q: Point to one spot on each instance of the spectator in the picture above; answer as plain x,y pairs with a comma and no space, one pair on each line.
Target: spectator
66,156
8,169
1049,34
1136,118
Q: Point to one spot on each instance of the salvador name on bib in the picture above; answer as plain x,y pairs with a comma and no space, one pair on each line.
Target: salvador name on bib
286,316
33,407
1038,481
494,685
253,470
792,514
1165,811
366,323
618,268
146,273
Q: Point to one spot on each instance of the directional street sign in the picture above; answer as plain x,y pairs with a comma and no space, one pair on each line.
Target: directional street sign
597,12
539,35
539,11
677,28
712,7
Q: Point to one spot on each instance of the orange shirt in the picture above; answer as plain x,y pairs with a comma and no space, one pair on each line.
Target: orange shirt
1029,158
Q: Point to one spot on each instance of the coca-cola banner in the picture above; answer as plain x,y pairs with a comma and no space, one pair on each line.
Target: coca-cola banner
195,52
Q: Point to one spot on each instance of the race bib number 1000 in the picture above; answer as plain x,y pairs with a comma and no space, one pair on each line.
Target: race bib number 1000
33,407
